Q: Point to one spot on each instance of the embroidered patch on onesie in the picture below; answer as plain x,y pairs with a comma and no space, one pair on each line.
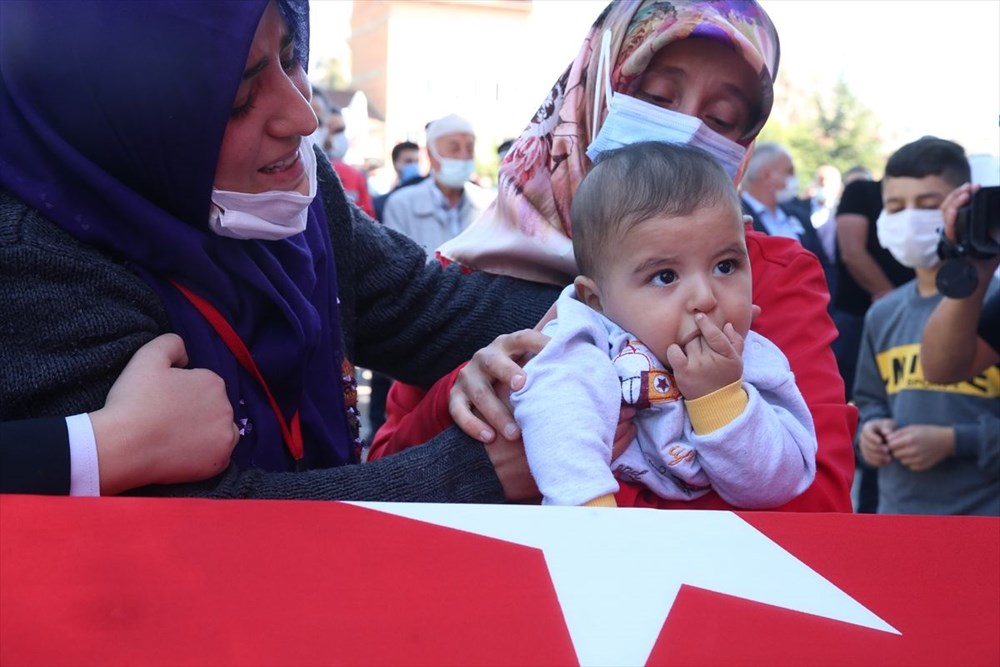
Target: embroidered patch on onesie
643,385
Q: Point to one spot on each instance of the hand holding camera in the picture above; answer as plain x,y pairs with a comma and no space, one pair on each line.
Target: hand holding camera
970,240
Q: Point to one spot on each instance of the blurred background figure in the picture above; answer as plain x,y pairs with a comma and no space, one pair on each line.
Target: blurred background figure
935,445
865,272
504,148
335,145
856,173
769,194
822,197
438,208
406,164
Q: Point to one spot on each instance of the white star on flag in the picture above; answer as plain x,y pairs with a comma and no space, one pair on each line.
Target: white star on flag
617,572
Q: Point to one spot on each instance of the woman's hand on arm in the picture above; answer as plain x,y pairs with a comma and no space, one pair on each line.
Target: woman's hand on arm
484,386
162,423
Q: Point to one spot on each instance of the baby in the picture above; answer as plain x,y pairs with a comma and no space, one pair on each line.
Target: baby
659,319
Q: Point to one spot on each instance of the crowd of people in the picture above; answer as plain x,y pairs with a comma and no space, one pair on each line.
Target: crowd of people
644,314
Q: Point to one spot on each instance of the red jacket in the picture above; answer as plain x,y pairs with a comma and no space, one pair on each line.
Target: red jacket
789,287
355,186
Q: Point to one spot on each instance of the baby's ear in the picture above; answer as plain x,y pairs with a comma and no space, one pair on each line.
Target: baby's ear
754,312
588,292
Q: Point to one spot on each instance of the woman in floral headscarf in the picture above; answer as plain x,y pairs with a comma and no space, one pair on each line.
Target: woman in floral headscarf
678,55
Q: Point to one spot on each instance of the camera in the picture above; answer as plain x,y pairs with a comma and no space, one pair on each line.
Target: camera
977,227
977,235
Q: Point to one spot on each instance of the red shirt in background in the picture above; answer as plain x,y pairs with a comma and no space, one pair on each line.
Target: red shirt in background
355,186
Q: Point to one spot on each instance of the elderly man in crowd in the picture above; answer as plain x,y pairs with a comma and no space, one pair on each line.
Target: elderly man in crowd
439,207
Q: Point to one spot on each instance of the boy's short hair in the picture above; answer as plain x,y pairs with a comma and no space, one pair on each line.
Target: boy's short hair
637,182
930,156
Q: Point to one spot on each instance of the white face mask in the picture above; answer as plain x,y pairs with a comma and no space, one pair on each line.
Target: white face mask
338,146
268,216
911,235
631,120
824,196
790,191
452,172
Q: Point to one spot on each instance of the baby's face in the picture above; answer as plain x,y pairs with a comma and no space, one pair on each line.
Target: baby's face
665,270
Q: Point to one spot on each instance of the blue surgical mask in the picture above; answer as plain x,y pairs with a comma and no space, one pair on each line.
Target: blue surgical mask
409,170
631,120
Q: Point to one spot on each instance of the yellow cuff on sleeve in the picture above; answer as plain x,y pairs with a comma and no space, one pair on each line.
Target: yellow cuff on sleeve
602,501
713,411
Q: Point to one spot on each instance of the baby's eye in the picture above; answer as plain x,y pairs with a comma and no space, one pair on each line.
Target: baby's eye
726,266
664,278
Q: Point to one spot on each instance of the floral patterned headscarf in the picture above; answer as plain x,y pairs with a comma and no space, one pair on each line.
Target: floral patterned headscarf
526,231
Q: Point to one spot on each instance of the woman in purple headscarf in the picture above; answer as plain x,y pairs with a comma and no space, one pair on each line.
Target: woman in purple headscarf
154,177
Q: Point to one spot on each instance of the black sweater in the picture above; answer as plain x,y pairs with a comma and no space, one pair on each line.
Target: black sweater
71,317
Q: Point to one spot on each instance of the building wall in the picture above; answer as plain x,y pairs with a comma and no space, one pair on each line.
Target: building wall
418,60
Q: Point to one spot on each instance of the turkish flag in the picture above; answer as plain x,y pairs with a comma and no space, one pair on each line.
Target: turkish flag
935,579
199,582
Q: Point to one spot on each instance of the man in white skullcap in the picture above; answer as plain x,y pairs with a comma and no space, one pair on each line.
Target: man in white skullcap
440,207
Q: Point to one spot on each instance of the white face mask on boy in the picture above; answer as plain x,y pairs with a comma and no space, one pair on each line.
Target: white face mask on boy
631,120
267,216
911,236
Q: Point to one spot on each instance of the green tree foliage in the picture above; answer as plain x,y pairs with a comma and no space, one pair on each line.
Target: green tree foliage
329,74
836,129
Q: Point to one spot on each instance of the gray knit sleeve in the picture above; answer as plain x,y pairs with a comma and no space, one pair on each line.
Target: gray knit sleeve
451,468
411,319
70,318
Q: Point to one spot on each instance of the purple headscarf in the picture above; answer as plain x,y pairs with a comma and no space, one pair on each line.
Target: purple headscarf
113,114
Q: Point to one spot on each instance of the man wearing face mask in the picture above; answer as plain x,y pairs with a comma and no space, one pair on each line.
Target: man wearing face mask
769,194
438,208
937,446
406,164
332,137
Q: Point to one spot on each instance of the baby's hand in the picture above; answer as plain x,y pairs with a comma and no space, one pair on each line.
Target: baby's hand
709,362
